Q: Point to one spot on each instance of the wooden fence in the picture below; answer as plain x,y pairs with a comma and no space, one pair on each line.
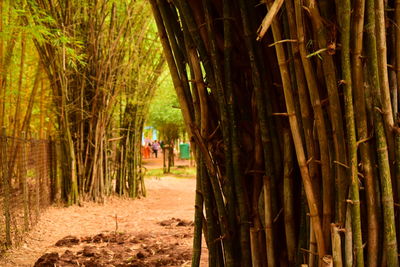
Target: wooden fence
28,170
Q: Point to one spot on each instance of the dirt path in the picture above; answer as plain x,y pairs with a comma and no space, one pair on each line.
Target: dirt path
159,222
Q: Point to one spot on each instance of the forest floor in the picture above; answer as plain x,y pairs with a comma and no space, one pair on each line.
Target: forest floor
152,231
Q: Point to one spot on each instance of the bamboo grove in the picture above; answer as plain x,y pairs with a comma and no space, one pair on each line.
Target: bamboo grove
293,109
95,66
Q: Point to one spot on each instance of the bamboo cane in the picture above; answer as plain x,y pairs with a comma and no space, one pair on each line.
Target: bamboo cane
381,49
334,111
264,130
198,218
5,182
226,130
298,142
172,66
336,246
319,121
232,107
289,198
362,132
344,9
390,241
305,104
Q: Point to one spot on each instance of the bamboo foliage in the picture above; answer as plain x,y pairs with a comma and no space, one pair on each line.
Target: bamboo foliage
294,77
98,56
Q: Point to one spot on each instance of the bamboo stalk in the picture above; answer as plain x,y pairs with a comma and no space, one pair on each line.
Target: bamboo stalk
172,66
305,104
5,180
25,191
257,245
348,246
264,130
267,21
334,111
214,246
390,241
199,200
381,47
344,9
269,236
188,18
226,130
298,142
362,132
319,121
397,48
336,246
289,198
2,104
198,218
232,106
17,114
179,58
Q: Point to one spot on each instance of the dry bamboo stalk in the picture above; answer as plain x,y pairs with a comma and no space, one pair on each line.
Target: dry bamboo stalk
305,104
336,246
266,23
362,132
17,115
348,246
381,49
319,121
334,110
298,142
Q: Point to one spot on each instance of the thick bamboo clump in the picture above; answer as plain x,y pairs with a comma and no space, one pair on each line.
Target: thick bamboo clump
104,62
300,140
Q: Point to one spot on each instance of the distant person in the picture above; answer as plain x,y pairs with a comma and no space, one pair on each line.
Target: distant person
147,151
155,147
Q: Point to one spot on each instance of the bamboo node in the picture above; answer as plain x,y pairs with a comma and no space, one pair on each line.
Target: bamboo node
387,200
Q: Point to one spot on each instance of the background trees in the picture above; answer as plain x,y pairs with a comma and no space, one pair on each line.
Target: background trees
292,105
84,72
165,115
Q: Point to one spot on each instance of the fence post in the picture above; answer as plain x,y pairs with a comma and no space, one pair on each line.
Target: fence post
6,186
23,172
34,145
57,181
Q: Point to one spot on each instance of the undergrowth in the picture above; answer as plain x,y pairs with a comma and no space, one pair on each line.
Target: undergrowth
179,172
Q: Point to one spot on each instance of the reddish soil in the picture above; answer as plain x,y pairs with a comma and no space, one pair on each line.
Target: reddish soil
152,231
